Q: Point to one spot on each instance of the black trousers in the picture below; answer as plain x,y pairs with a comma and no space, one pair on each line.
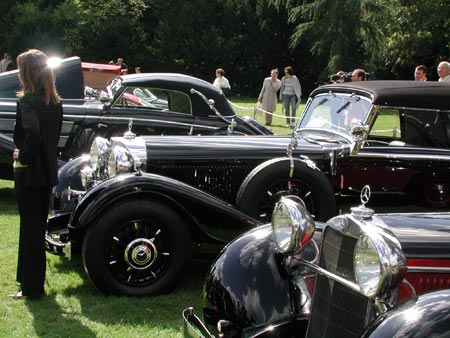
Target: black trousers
33,207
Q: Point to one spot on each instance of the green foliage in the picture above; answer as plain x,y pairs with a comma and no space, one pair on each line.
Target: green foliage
246,38
419,36
343,34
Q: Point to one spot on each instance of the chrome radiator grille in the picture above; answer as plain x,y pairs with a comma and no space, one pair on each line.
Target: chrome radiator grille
337,311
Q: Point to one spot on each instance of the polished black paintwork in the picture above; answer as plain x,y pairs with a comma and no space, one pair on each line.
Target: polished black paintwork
6,152
249,284
422,235
212,222
259,286
87,118
428,315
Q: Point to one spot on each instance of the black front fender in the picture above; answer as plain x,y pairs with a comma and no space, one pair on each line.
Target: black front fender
427,315
207,214
248,285
69,181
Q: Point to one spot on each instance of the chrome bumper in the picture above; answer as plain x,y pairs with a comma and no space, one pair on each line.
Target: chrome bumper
57,247
193,326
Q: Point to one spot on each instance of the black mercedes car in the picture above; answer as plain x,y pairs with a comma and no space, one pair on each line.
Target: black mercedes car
156,103
347,131
358,275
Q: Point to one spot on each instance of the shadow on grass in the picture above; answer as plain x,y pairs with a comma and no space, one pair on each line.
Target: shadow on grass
49,319
163,311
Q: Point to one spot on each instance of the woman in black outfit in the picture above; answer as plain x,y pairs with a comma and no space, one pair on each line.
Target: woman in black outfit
36,135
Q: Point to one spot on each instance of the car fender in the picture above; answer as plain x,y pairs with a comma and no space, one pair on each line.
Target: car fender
69,181
423,316
204,213
249,286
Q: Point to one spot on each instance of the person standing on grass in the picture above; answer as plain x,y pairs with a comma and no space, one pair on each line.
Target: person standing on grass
38,127
222,82
290,95
268,95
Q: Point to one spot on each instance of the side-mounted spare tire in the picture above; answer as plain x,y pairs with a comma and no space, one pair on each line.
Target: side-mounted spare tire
137,247
269,181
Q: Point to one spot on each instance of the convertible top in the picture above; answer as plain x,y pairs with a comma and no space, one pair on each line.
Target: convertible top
417,94
183,83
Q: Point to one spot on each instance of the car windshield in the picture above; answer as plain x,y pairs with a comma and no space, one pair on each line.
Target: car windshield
334,112
113,86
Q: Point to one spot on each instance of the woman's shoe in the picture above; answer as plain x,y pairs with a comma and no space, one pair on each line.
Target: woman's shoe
17,295
20,295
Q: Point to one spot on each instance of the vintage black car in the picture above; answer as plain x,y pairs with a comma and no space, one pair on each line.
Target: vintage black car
158,104
6,160
253,172
137,230
359,275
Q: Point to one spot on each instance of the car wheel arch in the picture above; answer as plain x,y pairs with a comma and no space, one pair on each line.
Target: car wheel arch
87,213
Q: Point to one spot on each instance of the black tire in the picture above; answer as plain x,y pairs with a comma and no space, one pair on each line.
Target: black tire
269,181
136,248
436,192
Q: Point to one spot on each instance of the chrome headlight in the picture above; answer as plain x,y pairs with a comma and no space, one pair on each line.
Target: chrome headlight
292,224
367,266
98,148
120,161
87,175
378,262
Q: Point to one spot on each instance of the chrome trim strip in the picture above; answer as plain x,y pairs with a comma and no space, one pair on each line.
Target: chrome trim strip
328,274
435,157
101,119
428,269
413,108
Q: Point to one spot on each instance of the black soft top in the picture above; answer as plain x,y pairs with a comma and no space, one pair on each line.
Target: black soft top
413,94
183,83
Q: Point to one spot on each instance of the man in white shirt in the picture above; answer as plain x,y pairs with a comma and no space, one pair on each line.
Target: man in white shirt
443,71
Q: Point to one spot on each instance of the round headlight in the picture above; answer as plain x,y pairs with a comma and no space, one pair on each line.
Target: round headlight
87,175
292,224
367,265
120,161
98,148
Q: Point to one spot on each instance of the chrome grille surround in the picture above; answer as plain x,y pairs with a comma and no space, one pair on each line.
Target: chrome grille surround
340,308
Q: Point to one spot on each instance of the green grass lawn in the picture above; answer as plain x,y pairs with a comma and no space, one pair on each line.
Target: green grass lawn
73,307
244,106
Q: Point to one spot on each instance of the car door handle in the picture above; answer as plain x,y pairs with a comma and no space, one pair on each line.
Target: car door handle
101,125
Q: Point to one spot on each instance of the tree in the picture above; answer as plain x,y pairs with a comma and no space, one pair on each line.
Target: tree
342,34
419,36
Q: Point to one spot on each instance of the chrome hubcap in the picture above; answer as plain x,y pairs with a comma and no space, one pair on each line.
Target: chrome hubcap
140,254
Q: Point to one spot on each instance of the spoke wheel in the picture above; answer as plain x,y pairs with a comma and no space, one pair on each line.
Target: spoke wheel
269,181
136,248
436,192
139,253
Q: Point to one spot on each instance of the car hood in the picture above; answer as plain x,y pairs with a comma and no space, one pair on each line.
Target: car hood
242,147
422,235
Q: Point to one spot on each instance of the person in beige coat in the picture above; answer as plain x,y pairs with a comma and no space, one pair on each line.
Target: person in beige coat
268,95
